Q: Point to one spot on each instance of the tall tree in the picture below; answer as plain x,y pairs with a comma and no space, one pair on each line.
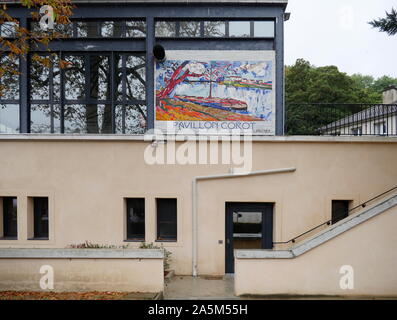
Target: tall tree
387,24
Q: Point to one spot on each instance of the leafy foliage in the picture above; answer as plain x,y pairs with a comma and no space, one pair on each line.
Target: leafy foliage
306,84
20,40
90,245
387,24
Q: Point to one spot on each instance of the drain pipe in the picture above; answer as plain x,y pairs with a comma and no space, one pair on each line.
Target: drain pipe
194,202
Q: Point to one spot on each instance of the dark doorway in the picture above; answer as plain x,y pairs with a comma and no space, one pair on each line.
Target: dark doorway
248,226
340,210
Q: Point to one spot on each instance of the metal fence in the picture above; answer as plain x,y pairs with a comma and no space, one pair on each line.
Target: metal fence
341,119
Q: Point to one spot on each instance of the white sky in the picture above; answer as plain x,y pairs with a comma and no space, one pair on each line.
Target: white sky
336,33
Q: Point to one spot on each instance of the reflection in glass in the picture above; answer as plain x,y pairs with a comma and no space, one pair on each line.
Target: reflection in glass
131,119
9,118
136,85
9,82
43,117
74,78
189,29
247,230
92,118
165,29
135,29
264,29
89,29
7,29
99,77
39,81
214,28
239,29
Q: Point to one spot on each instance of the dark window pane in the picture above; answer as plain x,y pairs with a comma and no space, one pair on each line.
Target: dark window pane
214,28
135,29
10,217
9,81
166,219
136,218
40,217
66,30
239,28
165,29
340,210
189,29
264,29
9,118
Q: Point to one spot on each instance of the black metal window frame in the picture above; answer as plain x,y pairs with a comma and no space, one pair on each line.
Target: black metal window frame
138,204
74,28
172,219
10,222
113,101
40,206
227,29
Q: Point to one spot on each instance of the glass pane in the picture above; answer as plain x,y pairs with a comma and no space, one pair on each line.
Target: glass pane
99,77
239,29
247,230
9,118
10,217
90,118
136,85
41,217
136,218
7,29
74,78
9,82
87,29
165,29
113,29
264,29
39,81
135,29
214,28
189,29
40,118
118,78
133,118
64,29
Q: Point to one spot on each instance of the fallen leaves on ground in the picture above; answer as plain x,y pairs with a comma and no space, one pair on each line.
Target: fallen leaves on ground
36,295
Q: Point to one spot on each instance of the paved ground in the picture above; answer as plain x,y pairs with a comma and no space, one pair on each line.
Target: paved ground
185,287
215,288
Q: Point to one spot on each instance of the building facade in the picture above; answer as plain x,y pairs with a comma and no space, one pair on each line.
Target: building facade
80,162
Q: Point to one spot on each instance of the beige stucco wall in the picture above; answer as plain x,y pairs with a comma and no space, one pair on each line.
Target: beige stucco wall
370,248
132,275
87,180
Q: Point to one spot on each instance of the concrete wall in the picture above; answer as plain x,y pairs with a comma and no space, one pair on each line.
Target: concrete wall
370,248
73,273
87,179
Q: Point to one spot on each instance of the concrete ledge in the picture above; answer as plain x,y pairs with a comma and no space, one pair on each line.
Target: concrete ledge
321,237
17,253
149,138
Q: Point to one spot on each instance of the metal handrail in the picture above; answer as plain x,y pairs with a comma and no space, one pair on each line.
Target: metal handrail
328,222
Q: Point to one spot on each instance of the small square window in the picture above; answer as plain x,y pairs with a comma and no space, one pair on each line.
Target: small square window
340,210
